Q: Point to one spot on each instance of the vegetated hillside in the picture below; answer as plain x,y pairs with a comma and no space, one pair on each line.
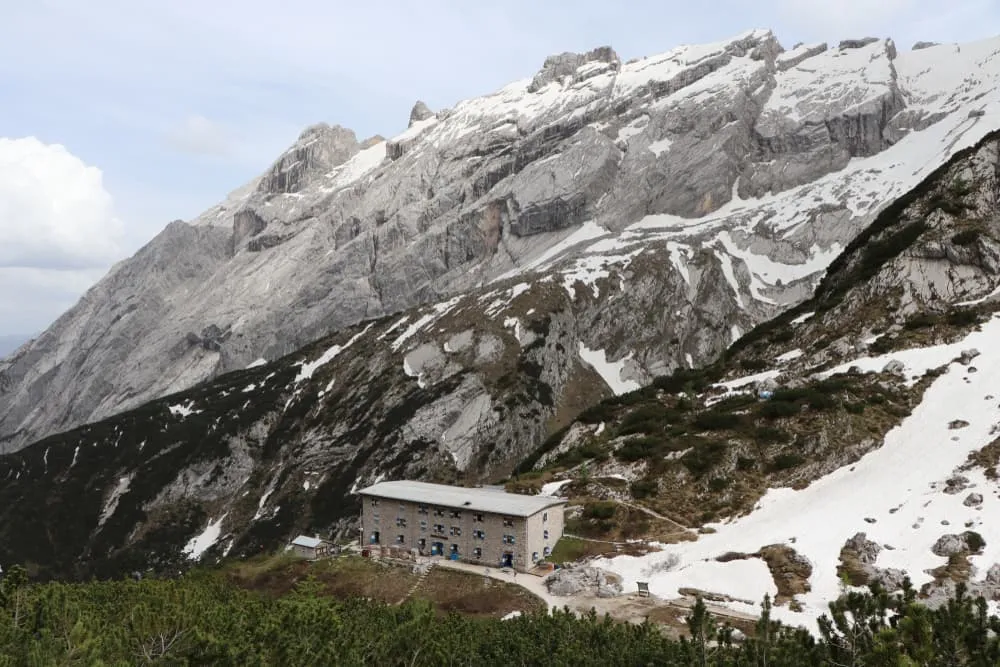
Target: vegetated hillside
746,167
203,619
456,391
870,412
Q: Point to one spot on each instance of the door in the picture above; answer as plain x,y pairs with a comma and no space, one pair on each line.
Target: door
507,560
375,538
437,549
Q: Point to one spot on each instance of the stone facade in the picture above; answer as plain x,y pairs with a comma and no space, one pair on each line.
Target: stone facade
494,539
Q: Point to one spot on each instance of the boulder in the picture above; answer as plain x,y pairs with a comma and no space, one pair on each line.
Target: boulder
973,500
894,367
866,550
967,356
583,581
948,545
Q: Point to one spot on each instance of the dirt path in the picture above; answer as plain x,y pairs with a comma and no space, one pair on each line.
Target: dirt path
680,527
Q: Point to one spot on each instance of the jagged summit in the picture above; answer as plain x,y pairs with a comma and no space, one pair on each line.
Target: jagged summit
419,112
722,177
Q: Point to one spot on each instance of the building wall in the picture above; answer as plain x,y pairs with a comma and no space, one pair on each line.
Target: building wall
544,530
304,552
526,532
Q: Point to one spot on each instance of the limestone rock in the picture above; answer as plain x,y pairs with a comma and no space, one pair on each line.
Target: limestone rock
895,367
917,46
966,357
419,112
973,500
856,43
592,581
568,64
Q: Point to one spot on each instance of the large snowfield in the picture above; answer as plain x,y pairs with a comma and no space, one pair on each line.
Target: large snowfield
895,495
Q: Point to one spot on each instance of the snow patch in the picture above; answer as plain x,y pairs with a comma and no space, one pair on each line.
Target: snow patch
121,488
307,369
201,543
610,372
553,488
183,409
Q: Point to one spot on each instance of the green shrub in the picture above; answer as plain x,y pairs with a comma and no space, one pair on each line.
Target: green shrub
974,540
636,449
786,461
855,408
688,379
963,317
754,364
600,510
703,458
921,321
643,488
777,409
595,414
966,237
717,484
717,421
769,435
745,463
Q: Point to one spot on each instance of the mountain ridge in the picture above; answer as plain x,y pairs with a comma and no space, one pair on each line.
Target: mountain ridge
617,153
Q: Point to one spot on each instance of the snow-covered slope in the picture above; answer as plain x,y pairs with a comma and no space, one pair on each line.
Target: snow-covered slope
858,432
897,495
731,159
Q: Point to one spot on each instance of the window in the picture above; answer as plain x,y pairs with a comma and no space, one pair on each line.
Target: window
375,519
423,525
477,552
400,522
422,509
400,539
421,543
545,517
456,531
534,556
438,511
455,514
508,539
479,534
545,534
402,507
454,548
508,522
374,502
439,528
478,518
547,550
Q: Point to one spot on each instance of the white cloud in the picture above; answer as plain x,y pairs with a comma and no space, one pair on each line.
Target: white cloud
200,136
58,232
54,210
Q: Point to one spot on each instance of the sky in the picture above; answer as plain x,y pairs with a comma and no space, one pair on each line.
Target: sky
117,116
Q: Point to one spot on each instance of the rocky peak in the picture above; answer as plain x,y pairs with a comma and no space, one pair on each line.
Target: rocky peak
419,112
564,64
319,149
923,45
856,43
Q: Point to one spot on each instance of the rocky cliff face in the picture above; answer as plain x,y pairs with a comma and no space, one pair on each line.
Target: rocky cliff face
464,389
736,159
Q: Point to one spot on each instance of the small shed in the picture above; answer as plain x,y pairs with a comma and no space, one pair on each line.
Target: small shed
311,547
643,588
